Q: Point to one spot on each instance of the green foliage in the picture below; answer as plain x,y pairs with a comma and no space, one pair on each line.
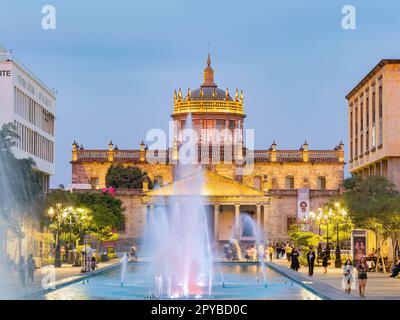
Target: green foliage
371,201
93,213
106,235
20,184
304,238
337,221
129,177
374,203
66,198
8,137
106,210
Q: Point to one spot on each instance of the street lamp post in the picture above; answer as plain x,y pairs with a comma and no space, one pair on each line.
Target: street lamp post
57,213
338,260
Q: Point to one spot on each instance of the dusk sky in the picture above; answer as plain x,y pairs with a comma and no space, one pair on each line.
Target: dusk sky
115,64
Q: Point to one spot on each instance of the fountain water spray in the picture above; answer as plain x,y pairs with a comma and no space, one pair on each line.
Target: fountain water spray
178,235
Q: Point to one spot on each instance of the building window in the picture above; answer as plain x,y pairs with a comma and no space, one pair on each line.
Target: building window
257,182
351,150
356,148
289,182
351,125
380,115
356,119
367,112
321,183
274,183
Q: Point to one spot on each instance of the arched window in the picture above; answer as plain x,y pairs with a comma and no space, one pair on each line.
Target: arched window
321,183
289,182
257,182
274,183
158,181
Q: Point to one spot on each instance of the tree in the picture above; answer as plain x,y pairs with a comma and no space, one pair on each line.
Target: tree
106,210
98,214
374,204
130,177
304,238
20,184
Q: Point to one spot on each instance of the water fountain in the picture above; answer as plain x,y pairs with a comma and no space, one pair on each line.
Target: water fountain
178,241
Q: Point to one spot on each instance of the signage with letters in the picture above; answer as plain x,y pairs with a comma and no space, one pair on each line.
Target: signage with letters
5,73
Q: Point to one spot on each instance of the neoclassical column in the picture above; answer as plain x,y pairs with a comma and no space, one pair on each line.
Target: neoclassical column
237,221
216,221
258,215
267,212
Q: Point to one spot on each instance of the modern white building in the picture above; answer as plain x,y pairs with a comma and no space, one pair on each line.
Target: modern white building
30,104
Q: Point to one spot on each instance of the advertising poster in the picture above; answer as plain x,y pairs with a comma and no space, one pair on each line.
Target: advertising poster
303,203
358,244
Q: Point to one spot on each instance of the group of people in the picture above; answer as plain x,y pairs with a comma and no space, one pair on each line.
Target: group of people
25,268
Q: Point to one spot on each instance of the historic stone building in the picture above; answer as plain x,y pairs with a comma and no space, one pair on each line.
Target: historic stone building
283,186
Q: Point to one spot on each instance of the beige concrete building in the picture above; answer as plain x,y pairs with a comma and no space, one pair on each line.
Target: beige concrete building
374,122
283,186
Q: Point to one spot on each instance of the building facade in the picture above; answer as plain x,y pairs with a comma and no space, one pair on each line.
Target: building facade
374,119
283,185
31,105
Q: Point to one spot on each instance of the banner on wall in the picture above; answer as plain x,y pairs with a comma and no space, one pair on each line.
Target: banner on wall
303,203
358,244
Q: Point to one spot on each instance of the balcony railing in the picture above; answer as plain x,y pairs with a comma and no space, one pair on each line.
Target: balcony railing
208,106
162,156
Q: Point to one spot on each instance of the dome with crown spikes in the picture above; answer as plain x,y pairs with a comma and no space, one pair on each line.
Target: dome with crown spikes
206,95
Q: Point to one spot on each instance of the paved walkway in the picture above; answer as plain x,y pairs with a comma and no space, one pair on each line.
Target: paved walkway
10,287
379,285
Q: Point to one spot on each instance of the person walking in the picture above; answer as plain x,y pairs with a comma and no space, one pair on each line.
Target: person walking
362,268
311,261
294,257
278,250
326,256
348,279
288,251
31,266
22,271
396,270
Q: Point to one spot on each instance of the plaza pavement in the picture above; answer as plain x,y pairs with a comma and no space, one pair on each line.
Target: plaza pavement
11,287
379,285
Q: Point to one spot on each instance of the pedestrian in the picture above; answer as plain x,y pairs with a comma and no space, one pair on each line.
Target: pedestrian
271,253
311,261
93,263
362,268
288,251
348,279
326,256
22,271
396,270
228,252
31,266
319,253
278,250
294,257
